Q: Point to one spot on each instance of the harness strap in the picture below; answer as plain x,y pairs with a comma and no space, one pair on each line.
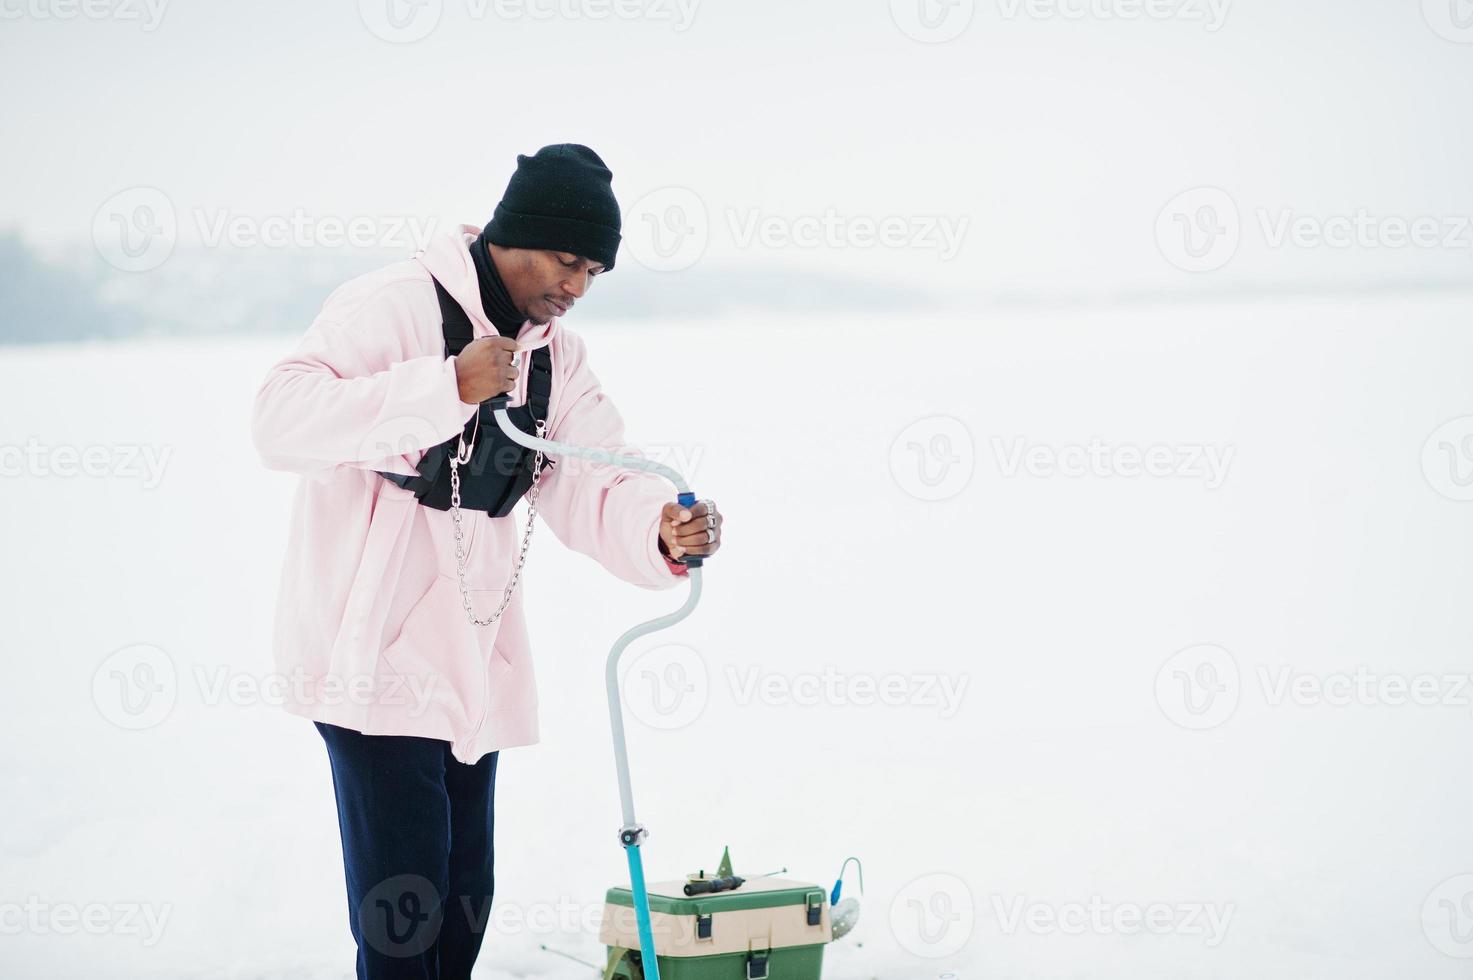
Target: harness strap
492,446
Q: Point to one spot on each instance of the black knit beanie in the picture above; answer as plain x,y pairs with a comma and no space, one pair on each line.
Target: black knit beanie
561,199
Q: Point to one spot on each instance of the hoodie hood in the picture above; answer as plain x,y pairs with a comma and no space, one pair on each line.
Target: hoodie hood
448,258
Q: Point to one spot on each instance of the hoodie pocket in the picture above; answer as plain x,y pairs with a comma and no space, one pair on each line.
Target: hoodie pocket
437,638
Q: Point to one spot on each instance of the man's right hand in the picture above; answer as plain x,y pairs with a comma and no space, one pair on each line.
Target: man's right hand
484,369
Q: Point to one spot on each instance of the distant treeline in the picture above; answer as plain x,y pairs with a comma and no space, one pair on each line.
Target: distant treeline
224,291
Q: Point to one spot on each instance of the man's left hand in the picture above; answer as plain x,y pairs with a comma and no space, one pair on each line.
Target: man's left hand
693,530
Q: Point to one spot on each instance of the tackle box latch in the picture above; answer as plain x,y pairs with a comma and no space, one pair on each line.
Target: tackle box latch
815,908
757,965
703,926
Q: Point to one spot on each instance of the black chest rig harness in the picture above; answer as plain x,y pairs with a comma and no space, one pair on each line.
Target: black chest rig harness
499,471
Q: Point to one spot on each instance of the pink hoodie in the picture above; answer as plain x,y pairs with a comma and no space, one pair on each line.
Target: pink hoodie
370,632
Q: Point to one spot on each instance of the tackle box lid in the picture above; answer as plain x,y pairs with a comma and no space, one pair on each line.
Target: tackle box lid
755,893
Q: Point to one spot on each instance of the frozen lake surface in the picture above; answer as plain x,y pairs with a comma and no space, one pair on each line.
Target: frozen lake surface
971,693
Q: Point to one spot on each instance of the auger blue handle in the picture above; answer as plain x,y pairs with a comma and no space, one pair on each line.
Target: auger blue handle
688,499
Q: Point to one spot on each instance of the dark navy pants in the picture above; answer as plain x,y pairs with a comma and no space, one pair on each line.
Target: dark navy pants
417,826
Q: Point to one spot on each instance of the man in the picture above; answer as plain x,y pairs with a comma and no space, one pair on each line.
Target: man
394,618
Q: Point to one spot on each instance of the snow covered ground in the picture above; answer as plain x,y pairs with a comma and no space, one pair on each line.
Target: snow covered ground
1078,720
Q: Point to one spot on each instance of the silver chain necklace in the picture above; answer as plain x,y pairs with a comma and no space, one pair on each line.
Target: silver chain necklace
463,455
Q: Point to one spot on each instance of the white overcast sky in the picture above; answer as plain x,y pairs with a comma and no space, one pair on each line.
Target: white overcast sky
1057,138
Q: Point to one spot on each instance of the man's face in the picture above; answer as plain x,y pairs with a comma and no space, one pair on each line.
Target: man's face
544,284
